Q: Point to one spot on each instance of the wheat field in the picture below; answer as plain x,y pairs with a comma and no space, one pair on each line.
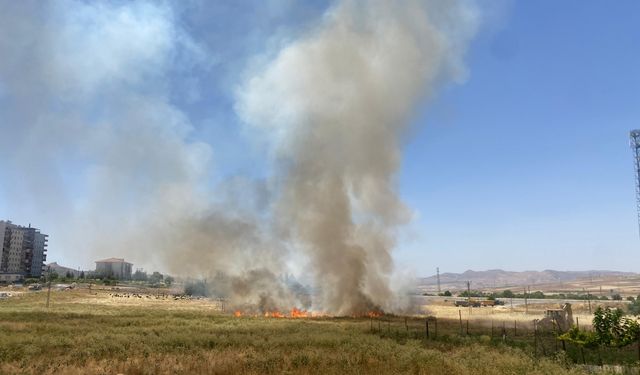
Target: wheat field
96,333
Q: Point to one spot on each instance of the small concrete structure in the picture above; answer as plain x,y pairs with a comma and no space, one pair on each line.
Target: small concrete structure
557,319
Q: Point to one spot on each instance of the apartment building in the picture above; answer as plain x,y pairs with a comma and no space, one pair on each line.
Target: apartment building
23,251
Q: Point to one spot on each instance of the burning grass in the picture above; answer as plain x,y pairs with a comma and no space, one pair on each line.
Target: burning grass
299,313
81,334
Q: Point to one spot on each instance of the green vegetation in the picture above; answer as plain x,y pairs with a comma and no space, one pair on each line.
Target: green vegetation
83,334
611,329
535,295
634,306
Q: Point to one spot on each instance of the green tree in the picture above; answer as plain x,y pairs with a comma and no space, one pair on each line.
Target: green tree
155,278
140,275
508,294
634,307
611,329
537,295
168,280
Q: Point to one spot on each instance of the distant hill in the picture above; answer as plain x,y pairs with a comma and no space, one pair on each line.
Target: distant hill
501,279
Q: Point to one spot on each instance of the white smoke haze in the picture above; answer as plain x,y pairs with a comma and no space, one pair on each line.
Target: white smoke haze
338,102
87,85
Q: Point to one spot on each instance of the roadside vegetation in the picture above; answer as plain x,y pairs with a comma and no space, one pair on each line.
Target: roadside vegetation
533,295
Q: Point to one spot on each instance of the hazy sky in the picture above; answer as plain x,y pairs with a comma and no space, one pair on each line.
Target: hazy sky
523,165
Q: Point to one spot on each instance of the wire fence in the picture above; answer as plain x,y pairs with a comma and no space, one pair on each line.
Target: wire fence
517,333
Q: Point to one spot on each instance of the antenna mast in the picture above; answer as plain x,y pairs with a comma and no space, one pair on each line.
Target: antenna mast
438,277
635,147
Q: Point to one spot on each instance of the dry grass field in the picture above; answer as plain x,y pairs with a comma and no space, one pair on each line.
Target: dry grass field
445,309
98,333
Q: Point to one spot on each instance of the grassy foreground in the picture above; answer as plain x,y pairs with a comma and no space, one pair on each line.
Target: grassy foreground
81,334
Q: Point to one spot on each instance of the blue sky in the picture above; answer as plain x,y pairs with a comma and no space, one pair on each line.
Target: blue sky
527,164
524,165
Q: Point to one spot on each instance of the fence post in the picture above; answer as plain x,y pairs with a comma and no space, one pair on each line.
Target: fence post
460,315
515,328
405,324
504,331
426,323
467,327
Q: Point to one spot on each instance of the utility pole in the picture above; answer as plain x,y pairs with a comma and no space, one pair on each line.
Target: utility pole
49,287
526,305
588,298
469,295
438,278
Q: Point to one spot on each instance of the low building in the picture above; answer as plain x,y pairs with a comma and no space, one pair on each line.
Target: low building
116,268
63,271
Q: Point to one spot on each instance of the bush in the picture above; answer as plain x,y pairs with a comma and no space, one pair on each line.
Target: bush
611,329
196,288
168,280
508,294
634,308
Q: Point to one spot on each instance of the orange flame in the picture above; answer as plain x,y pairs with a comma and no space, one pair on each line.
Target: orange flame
297,313
273,314
294,313
374,314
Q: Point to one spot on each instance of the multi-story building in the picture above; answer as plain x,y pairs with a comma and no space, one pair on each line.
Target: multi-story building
23,251
114,267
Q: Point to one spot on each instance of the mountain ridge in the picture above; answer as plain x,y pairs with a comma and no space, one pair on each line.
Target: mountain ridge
498,278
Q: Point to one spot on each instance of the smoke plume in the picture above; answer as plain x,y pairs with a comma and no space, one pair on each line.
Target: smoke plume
99,149
339,101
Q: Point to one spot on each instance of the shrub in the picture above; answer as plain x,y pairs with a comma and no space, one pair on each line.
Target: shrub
611,329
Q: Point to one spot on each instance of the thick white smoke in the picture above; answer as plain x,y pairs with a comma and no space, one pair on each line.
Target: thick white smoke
337,102
93,146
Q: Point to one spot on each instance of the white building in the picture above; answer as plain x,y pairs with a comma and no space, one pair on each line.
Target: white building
114,267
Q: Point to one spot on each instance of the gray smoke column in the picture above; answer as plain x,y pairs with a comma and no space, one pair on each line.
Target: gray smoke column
336,103
96,147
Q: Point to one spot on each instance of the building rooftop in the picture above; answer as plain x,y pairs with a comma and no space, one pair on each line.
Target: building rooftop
112,260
